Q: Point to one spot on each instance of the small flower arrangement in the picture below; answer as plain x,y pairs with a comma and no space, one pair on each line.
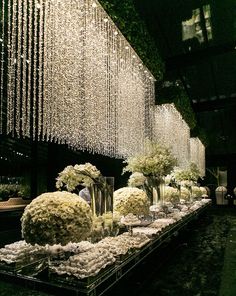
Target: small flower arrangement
156,160
171,194
136,180
196,192
56,218
83,174
184,193
131,200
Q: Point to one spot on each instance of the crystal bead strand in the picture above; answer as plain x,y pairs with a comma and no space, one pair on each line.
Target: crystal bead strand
12,25
40,69
18,102
29,68
35,71
2,41
24,68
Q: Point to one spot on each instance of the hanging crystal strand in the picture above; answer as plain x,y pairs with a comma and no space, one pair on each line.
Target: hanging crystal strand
47,51
29,67
35,72
24,67
40,70
12,25
2,41
18,106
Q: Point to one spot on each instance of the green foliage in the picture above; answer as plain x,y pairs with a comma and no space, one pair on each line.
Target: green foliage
127,19
13,190
201,134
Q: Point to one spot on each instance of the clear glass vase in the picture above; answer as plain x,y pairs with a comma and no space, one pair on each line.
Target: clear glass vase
154,188
102,197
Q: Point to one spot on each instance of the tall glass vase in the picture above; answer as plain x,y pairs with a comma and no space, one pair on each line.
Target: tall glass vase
154,188
102,196
96,199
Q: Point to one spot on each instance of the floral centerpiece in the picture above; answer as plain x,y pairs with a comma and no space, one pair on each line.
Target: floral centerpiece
131,200
196,192
84,174
137,180
87,175
186,177
171,194
56,217
154,163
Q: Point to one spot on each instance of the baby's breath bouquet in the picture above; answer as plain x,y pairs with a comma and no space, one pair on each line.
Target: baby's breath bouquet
156,160
188,176
154,163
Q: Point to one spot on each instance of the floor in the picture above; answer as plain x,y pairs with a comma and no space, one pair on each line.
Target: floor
199,262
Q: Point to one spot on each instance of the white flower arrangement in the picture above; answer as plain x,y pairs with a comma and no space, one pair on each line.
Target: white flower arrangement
196,192
186,176
131,200
136,180
56,218
171,194
156,160
83,174
184,193
203,191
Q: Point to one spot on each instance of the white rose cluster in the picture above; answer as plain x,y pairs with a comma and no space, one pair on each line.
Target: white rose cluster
56,218
131,200
171,194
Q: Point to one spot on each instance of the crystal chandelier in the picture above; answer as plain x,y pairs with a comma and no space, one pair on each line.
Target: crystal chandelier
170,130
197,154
74,79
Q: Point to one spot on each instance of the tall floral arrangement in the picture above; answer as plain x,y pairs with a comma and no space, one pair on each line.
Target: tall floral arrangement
188,176
154,163
156,160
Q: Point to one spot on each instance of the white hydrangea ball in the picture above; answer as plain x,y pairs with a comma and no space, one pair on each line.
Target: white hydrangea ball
131,200
56,218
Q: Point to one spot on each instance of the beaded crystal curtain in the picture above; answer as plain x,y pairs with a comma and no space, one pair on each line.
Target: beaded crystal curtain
171,130
73,78
197,154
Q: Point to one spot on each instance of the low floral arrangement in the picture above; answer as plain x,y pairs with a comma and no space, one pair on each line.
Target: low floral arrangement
156,160
56,218
131,200
136,180
196,192
171,194
83,174
203,191
184,193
